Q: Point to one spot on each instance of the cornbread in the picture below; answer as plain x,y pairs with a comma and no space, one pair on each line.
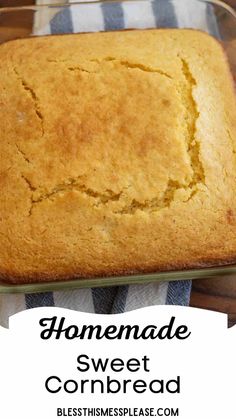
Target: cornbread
117,155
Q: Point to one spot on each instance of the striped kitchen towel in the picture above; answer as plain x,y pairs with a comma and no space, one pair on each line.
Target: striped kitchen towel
109,16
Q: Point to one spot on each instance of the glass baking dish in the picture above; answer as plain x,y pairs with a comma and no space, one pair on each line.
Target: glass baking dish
214,17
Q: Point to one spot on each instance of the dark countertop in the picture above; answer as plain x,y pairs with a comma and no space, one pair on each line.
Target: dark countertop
217,294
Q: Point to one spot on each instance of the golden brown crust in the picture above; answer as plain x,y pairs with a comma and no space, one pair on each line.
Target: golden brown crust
117,155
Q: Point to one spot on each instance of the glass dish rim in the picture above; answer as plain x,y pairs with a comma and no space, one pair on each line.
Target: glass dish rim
66,285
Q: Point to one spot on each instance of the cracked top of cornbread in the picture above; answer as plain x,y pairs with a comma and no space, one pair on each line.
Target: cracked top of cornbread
117,155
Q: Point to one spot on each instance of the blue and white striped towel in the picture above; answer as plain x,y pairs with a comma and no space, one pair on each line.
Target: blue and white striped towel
108,16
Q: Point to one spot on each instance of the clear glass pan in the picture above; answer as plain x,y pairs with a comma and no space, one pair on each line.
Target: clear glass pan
17,22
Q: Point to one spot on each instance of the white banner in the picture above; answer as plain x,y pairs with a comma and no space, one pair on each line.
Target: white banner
162,361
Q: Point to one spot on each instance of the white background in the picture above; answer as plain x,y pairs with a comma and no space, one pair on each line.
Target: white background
205,362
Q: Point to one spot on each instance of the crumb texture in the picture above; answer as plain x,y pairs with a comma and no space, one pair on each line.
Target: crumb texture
117,154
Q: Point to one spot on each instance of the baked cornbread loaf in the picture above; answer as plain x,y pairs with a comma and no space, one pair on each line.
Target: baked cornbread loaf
117,155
